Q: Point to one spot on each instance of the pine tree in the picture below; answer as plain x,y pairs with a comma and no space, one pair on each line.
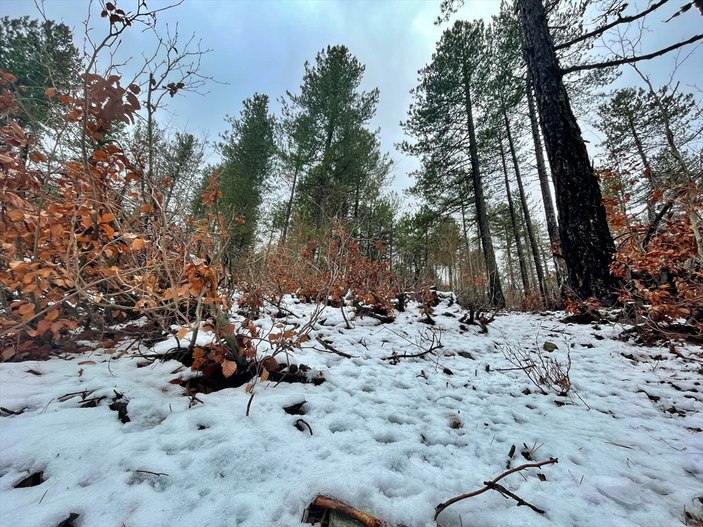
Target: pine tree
179,165
347,158
637,144
40,55
247,154
507,88
443,122
296,153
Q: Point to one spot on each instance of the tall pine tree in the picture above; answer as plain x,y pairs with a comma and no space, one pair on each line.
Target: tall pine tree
247,151
347,166
443,122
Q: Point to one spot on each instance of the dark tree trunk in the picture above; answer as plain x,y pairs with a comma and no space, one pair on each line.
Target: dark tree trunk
550,215
516,231
586,241
508,254
495,291
469,258
526,211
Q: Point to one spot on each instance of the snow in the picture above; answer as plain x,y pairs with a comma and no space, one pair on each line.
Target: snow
394,440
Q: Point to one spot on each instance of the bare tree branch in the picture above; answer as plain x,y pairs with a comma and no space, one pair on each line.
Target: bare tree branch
599,31
630,60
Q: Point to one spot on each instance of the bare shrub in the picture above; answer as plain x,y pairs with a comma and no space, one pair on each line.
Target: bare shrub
546,372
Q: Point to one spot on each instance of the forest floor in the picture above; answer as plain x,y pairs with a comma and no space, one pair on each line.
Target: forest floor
393,438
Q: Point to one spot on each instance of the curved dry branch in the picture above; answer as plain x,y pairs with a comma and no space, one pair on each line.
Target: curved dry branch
631,60
493,485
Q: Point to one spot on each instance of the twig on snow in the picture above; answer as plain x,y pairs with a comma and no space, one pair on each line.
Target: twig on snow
492,485
152,473
435,343
505,492
329,348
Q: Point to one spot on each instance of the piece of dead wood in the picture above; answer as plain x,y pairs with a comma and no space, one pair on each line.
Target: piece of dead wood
396,358
4,412
493,485
68,522
321,504
478,318
301,424
331,349
363,311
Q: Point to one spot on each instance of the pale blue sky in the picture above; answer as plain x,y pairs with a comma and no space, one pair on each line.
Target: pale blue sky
262,46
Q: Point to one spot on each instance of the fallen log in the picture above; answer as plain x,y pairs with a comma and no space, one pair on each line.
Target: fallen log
321,505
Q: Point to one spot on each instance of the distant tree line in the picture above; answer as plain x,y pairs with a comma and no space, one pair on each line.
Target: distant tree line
493,124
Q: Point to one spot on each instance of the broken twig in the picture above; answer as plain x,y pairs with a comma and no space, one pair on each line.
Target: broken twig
492,485
329,348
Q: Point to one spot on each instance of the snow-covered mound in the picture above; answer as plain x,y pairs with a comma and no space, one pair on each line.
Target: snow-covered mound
391,437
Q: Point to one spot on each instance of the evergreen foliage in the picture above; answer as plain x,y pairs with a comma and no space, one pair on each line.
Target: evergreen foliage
247,151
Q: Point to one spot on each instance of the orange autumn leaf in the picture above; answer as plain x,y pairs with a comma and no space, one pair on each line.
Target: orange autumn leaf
182,333
26,309
229,368
17,129
138,244
107,230
15,214
37,157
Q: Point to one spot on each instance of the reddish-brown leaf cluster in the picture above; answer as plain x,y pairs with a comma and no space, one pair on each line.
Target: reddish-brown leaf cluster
658,262
88,240
332,271
666,277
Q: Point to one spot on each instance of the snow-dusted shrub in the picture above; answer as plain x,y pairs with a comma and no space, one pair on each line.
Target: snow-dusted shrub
545,371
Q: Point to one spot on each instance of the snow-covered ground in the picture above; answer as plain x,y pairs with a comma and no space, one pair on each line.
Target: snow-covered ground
394,440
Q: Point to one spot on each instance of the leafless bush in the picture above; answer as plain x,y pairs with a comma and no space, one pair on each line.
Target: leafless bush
427,342
546,372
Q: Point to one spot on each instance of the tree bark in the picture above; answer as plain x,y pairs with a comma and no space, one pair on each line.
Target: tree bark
495,291
516,231
550,215
526,210
583,229
508,254
469,258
